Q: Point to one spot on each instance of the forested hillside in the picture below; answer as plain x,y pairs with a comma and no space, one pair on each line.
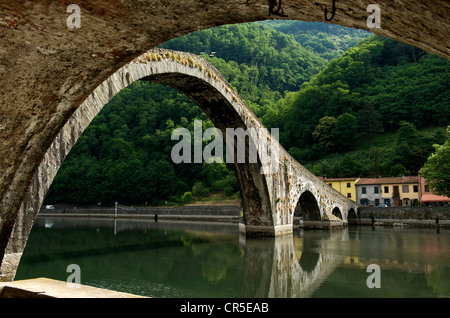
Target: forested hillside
261,63
378,86
330,41
325,111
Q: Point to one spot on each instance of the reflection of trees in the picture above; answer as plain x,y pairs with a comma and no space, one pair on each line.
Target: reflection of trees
258,267
144,254
438,280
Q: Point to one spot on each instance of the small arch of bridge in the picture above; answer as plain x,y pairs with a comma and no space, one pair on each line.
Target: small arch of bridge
337,212
308,207
352,217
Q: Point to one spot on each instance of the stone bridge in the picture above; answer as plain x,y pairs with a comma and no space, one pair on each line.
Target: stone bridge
48,70
271,187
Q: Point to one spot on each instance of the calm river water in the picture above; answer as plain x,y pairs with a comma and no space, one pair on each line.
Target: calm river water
187,259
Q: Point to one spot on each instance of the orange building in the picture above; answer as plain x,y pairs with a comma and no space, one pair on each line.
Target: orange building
429,198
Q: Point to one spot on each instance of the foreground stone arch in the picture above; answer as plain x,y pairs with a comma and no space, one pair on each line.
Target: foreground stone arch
47,70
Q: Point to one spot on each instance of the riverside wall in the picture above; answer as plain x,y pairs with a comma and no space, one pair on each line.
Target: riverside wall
422,216
224,213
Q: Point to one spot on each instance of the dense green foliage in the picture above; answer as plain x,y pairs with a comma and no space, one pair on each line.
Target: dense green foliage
437,168
376,85
124,155
405,157
328,113
259,62
330,41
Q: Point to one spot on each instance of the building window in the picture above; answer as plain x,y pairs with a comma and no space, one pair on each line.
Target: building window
416,188
348,185
375,190
363,190
386,189
405,188
330,184
349,195
377,202
426,188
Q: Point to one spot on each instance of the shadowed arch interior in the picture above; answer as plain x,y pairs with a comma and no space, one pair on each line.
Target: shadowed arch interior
308,207
352,218
337,212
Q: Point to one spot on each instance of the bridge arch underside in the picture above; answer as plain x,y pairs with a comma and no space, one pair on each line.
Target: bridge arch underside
252,183
199,81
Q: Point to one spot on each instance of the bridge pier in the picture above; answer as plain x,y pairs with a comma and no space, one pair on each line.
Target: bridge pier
323,225
265,230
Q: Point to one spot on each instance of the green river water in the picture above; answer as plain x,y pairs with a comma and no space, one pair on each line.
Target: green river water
212,260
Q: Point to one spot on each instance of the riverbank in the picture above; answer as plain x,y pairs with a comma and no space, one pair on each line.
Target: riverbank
417,217
217,213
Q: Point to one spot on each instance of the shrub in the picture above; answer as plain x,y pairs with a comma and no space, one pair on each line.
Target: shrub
229,191
199,190
187,197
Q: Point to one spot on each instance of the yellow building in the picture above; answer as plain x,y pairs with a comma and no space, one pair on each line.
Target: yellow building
400,191
346,186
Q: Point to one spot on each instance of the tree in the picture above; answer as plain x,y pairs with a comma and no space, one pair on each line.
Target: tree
412,148
345,130
436,170
323,133
370,121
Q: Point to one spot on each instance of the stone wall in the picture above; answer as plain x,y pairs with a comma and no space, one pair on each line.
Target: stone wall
405,216
219,210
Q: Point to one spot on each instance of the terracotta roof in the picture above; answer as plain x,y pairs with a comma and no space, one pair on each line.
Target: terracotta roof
338,179
433,198
389,180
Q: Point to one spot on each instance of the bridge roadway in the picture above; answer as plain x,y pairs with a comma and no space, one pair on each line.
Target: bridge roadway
54,79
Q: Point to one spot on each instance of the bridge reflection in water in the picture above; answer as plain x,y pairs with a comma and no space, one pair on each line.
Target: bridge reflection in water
187,259
288,270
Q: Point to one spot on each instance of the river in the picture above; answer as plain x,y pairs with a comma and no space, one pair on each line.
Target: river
198,259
